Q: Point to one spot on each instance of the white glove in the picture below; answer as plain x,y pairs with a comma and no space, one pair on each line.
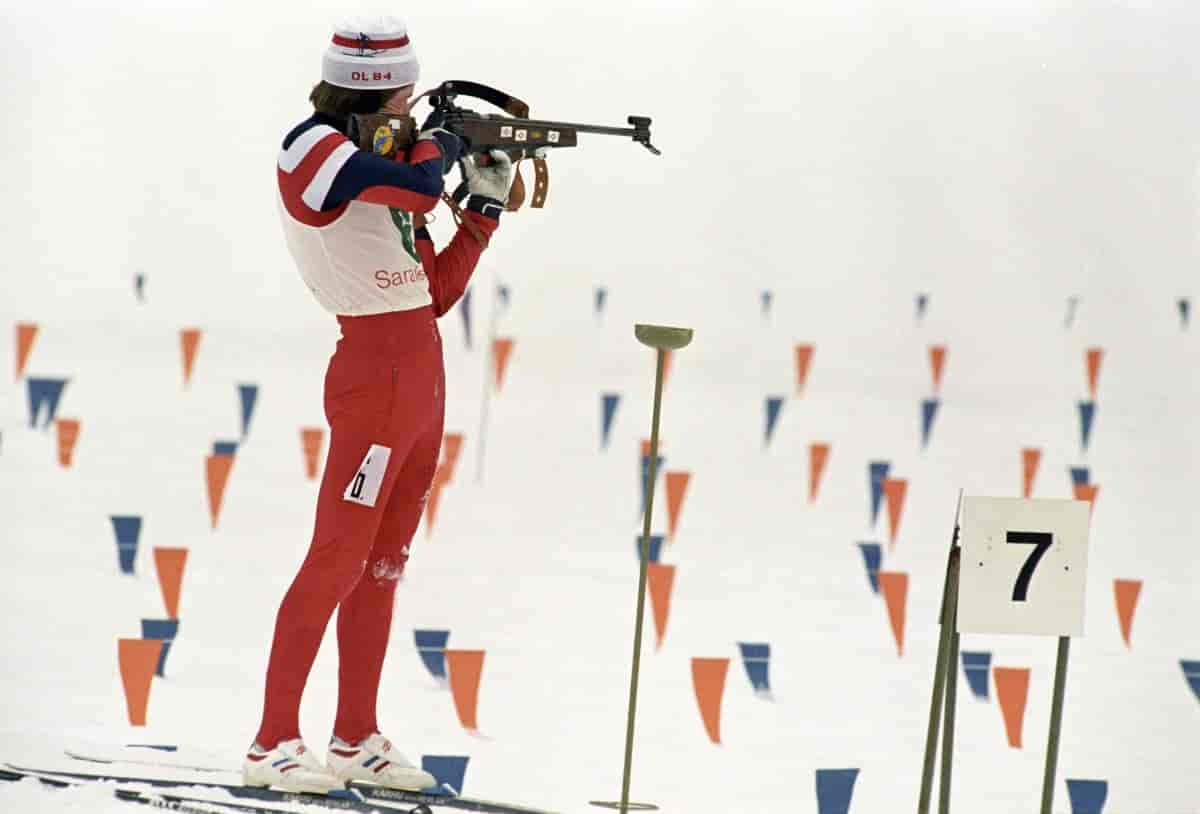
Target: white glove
492,181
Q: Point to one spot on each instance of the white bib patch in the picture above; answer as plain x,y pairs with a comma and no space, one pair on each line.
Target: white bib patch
364,486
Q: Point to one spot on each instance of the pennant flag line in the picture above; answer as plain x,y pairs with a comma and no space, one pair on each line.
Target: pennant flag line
248,393
804,354
872,554
835,787
894,491
895,594
929,408
164,630
68,435
189,340
1012,691
431,647
26,334
601,298
448,770
976,667
1093,359
1191,674
708,681
127,531
660,579
137,659
216,472
937,361
677,485
464,308
774,405
44,393
312,439
608,409
922,305
877,472
1126,592
465,668
169,563
818,455
1031,458
501,351
656,541
1087,796
1087,414
757,660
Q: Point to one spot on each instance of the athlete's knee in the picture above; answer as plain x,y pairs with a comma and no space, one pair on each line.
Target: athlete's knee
385,570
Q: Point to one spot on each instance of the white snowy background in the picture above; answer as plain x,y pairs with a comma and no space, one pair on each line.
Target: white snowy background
1002,157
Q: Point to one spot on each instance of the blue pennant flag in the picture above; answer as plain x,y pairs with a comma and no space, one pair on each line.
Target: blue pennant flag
139,286
757,659
608,409
448,770
877,472
1087,413
127,531
1087,796
873,558
655,547
774,405
929,408
224,448
1080,476
976,667
766,303
1185,311
1191,673
45,392
645,477
464,308
922,304
835,787
248,393
503,294
431,646
165,630
601,297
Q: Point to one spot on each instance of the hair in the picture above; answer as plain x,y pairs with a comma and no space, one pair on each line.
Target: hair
341,102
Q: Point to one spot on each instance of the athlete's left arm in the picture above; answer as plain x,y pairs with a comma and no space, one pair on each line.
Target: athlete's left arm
450,270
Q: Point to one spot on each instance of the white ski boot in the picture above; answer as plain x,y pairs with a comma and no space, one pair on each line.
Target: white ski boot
290,766
374,760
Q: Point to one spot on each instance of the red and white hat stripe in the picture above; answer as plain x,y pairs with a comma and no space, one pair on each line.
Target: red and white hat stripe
370,43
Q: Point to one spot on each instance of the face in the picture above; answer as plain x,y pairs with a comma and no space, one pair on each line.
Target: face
397,103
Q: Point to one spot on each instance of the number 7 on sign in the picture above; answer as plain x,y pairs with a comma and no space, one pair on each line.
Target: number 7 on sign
1041,541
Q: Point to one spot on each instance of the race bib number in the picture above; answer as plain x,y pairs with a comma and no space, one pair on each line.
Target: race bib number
363,488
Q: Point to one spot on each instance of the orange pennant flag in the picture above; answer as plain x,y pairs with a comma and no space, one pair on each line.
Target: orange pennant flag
1094,357
435,496
217,469
677,484
465,668
708,680
895,593
1012,690
804,354
1088,492
894,491
451,448
26,333
1031,457
644,445
661,579
501,351
817,455
68,434
190,339
311,440
169,562
668,355
937,360
137,660
1127,591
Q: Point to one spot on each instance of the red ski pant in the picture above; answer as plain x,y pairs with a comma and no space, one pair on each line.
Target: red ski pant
384,390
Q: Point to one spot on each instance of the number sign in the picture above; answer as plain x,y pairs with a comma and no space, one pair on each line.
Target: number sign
1023,567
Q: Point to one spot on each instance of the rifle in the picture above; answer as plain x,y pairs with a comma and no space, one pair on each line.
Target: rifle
515,133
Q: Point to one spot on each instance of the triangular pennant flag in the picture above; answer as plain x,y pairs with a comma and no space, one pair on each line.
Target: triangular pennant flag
655,546
1087,414
835,787
677,484
501,350
1072,306
937,361
708,681
818,454
804,354
894,491
877,472
26,333
451,449
139,286
660,580
1087,796
756,658
47,392
608,410
225,448
668,355
1088,492
976,668
601,297
766,303
465,668
1191,674
929,408
431,647
1031,458
137,659
1126,592
1185,311
311,441
1094,357
774,405
248,394
448,770
68,435
464,308
216,470
922,305
1012,690
169,563
872,554
435,497
189,339
894,586
165,631
1080,476
127,530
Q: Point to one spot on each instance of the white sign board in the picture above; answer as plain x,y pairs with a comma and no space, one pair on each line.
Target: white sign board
1023,567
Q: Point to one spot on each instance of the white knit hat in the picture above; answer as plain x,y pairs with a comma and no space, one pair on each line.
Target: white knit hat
370,53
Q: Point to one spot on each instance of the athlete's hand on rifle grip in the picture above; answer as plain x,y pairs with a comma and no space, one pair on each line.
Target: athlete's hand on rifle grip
450,144
491,180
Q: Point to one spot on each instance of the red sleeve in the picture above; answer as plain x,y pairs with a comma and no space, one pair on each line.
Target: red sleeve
450,270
